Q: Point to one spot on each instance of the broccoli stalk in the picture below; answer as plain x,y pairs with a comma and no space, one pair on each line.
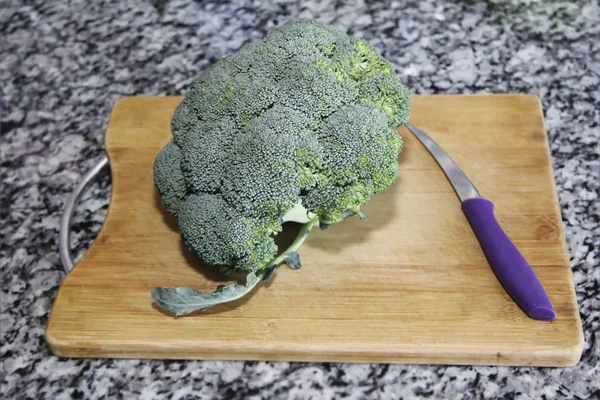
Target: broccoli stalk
290,256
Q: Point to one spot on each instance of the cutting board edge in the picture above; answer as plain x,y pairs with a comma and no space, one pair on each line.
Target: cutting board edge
578,347
559,357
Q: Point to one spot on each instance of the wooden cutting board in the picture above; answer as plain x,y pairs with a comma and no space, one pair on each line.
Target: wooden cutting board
409,285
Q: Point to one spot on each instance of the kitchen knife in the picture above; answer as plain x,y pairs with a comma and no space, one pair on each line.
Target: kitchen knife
512,270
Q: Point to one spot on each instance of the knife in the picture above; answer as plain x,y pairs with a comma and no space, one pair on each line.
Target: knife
510,267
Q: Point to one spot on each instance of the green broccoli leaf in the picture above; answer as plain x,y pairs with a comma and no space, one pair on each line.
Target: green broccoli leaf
182,301
292,259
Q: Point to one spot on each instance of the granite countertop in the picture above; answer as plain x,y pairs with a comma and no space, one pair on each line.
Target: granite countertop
63,66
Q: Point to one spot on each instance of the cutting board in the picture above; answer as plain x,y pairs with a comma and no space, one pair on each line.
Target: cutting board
408,285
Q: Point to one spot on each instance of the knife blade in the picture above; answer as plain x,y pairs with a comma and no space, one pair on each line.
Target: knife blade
506,261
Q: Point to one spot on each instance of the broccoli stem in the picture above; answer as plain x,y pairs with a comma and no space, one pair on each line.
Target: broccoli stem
327,223
182,301
299,241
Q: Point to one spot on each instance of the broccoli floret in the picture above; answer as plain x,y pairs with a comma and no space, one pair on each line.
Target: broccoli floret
307,115
169,179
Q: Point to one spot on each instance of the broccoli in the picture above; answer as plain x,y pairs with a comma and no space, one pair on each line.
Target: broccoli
305,120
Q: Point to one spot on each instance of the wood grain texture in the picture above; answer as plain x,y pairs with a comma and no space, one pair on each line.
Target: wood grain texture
410,284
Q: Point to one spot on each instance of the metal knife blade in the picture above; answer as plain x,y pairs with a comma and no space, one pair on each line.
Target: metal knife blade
460,182
512,270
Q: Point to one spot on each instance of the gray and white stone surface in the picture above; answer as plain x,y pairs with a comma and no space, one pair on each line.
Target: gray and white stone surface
64,64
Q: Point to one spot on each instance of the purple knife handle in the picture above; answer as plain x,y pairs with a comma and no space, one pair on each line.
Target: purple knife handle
512,270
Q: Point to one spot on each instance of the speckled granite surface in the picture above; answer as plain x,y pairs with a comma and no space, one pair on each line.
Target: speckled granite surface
62,66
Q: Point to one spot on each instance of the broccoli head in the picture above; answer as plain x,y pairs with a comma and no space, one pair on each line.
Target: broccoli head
308,116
